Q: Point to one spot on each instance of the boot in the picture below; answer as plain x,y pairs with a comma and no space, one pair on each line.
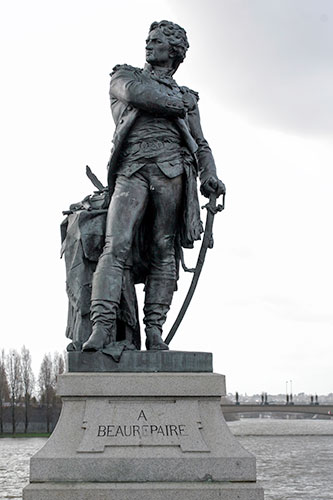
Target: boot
158,298
103,316
105,297
98,339
154,340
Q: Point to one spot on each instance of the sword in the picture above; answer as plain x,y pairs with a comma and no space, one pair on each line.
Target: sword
207,242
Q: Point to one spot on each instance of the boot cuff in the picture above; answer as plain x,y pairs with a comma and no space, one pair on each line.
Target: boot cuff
159,291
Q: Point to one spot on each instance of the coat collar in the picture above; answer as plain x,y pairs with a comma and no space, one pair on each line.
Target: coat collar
161,76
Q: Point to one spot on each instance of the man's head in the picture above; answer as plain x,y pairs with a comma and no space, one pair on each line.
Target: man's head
166,44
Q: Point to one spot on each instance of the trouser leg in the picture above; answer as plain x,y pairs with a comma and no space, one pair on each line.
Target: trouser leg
166,197
125,213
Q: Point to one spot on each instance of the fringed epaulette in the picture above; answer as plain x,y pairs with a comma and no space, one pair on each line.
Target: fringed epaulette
127,67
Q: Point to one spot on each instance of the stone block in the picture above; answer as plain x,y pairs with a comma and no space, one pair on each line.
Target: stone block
144,491
141,361
141,435
137,385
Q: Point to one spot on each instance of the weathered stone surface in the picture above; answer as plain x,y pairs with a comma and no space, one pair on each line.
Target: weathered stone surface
141,385
78,450
144,491
171,423
141,361
144,435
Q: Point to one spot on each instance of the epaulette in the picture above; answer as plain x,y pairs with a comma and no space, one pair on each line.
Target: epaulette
193,92
124,66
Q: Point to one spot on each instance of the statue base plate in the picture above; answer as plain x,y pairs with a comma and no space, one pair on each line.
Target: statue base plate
142,436
144,491
141,361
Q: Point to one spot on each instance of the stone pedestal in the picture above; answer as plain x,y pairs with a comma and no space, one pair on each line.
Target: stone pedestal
140,436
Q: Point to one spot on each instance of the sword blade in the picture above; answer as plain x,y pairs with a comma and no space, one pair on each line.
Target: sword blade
211,210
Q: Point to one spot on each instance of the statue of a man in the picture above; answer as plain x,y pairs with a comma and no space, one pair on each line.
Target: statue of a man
159,150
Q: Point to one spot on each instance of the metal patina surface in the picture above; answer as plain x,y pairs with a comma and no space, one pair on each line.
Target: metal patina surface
133,231
141,361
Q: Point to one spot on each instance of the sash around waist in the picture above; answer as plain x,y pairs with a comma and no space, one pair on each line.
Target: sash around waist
149,148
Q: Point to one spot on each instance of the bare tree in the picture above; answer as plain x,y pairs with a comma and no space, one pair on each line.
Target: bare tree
58,369
28,382
46,387
58,365
14,376
4,391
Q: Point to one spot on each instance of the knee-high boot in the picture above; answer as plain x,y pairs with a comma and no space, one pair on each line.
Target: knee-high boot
103,315
105,298
158,298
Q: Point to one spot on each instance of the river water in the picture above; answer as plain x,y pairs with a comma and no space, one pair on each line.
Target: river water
294,458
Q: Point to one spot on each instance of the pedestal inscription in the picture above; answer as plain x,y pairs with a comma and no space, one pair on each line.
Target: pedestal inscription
110,423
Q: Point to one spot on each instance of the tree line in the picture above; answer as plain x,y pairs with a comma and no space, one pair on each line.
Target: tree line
22,394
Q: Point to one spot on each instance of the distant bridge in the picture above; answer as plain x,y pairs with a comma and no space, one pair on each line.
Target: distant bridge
314,409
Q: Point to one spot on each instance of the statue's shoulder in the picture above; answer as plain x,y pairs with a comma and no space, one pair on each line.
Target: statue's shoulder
190,91
125,68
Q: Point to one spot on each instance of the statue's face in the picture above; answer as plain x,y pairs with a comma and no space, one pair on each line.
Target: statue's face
158,49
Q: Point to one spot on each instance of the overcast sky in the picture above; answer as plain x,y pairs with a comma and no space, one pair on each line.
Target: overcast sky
264,72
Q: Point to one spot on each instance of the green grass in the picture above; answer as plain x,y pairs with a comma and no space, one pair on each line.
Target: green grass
23,435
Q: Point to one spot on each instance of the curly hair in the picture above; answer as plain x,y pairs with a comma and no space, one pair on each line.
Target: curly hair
177,39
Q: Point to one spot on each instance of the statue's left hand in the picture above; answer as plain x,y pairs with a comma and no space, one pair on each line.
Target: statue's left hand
212,185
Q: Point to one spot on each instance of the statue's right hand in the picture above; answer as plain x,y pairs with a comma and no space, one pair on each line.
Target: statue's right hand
212,185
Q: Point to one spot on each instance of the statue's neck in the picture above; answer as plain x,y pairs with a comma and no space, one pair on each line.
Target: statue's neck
159,71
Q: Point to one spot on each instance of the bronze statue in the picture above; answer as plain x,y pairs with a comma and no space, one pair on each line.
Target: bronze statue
158,152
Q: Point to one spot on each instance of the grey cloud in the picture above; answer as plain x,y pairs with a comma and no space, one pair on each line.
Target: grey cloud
295,311
275,59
